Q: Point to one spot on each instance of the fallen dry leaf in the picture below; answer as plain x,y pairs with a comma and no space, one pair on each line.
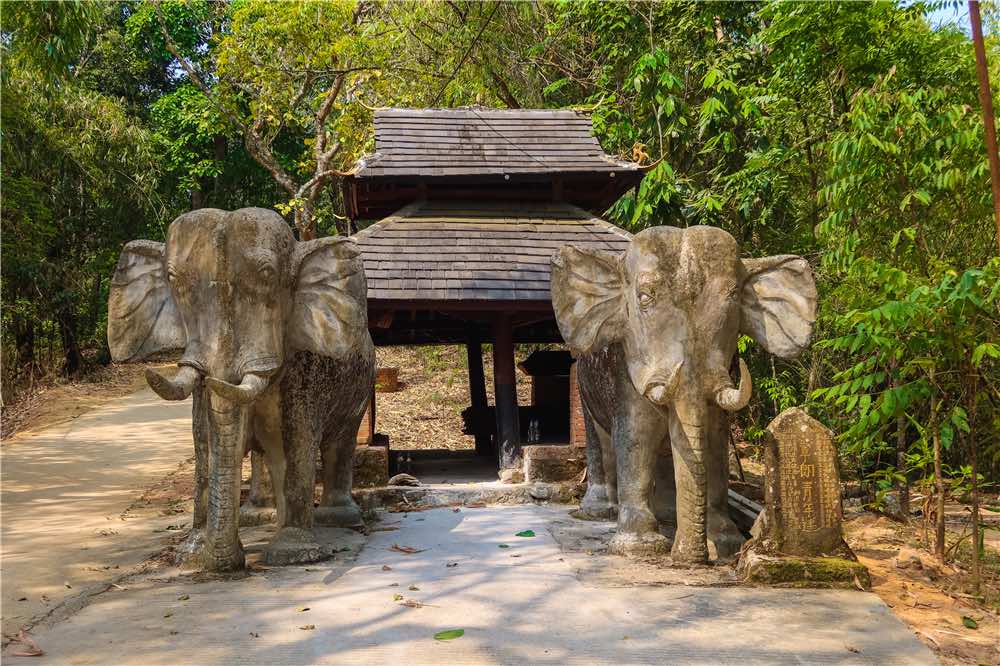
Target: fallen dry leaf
386,567
31,648
406,550
413,603
451,564
184,597
302,609
307,627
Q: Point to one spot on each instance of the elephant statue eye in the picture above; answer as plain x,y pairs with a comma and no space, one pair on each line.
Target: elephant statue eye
266,273
645,300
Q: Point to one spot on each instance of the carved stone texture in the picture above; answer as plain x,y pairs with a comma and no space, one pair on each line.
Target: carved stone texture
655,332
277,356
802,490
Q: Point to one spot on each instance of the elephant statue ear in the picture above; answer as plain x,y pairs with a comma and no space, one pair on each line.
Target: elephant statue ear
588,298
331,296
142,316
778,303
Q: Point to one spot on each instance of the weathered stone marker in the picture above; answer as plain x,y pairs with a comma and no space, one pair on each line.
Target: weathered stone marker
799,539
802,487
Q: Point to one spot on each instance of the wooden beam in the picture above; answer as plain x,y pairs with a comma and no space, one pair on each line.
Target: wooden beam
477,390
505,390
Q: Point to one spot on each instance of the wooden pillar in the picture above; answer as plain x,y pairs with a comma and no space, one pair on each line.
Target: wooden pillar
477,392
505,390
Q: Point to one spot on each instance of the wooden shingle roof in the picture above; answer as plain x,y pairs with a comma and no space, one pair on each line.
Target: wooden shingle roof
469,142
475,251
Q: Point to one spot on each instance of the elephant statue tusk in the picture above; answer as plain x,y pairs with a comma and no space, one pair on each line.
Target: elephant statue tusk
177,388
734,399
249,388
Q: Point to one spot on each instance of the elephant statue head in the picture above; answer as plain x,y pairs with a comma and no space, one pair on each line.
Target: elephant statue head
238,294
676,302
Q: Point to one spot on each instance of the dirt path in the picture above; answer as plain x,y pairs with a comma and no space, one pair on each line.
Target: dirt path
71,521
518,599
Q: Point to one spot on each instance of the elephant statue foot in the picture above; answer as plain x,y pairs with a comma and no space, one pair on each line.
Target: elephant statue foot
188,551
638,544
294,545
340,515
724,538
252,516
595,505
194,553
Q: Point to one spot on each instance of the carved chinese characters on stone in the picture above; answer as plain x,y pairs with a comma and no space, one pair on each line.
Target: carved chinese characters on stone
802,493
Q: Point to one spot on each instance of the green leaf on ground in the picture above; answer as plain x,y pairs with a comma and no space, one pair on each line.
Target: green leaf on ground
525,533
502,545
448,635
969,622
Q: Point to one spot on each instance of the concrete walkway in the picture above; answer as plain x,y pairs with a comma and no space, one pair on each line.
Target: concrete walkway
64,490
526,603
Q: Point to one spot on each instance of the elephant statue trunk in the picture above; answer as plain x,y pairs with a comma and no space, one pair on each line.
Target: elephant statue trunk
228,424
734,399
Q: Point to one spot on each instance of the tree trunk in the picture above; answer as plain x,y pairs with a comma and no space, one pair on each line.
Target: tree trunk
973,459
73,359
903,485
938,486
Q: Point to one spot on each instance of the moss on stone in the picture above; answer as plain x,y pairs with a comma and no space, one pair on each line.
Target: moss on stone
807,572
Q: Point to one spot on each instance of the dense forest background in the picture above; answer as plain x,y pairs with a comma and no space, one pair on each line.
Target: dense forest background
849,133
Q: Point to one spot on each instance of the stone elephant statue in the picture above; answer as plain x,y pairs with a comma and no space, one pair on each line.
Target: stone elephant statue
277,355
655,333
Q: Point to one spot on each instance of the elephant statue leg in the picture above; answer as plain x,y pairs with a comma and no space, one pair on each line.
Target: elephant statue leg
261,488
267,482
664,488
295,542
601,500
636,439
724,537
336,507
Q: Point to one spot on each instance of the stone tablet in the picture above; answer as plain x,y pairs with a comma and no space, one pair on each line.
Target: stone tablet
802,491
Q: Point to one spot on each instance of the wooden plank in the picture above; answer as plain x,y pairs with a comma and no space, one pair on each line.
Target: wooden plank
403,142
523,134
488,113
481,123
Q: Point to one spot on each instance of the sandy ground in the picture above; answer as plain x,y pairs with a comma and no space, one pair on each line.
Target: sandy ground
517,600
924,594
71,521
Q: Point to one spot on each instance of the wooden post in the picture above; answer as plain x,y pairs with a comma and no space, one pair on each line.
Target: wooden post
505,390
477,392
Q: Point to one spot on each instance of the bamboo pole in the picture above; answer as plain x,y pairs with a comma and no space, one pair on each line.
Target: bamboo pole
986,101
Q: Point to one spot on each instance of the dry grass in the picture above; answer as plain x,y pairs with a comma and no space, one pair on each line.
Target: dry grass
426,413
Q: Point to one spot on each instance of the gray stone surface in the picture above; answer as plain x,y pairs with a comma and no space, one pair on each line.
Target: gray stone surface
803,513
525,604
655,331
552,463
277,357
371,466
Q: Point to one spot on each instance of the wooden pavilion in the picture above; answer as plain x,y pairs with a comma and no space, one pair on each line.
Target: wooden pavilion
471,205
